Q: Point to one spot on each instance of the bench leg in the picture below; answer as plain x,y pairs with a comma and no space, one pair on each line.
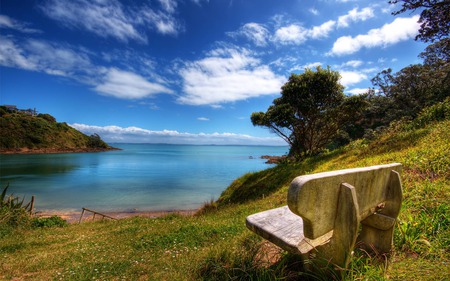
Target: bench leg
378,229
338,251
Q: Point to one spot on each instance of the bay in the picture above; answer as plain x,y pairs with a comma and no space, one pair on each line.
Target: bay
140,177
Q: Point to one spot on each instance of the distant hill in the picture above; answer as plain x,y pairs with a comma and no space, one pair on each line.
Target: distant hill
24,131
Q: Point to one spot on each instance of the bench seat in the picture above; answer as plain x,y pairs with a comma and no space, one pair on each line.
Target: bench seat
327,212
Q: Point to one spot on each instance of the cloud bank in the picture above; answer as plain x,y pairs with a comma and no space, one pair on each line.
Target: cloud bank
118,134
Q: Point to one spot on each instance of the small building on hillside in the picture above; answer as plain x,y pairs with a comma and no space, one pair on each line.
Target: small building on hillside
10,107
13,108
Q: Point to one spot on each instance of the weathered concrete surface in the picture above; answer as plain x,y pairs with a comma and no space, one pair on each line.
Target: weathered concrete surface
315,197
280,226
327,209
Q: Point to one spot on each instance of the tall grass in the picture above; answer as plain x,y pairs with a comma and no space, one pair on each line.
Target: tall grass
13,211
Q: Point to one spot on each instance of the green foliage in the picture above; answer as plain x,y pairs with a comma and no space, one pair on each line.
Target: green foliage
409,91
22,131
12,203
311,110
216,245
3,110
434,17
13,213
240,263
96,142
437,112
53,221
437,54
257,185
47,117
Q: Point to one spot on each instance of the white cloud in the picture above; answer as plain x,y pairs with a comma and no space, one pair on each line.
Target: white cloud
163,22
297,34
127,85
351,77
203,119
111,19
323,30
227,75
311,65
59,60
44,57
199,2
355,16
169,5
352,63
139,135
357,91
254,32
314,11
7,22
106,19
52,57
291,34
400,29
12,55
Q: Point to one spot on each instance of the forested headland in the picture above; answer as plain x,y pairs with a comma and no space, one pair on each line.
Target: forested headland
25,132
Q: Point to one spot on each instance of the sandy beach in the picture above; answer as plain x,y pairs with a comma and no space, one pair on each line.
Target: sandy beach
74,216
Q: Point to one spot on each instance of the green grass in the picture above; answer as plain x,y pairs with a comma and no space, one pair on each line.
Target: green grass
216,245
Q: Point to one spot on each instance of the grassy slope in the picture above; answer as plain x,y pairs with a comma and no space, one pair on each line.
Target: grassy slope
217,246
34,132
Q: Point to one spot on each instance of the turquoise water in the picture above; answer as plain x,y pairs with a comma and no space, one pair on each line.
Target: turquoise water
143,177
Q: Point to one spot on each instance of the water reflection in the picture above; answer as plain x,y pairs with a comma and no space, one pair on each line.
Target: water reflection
146,177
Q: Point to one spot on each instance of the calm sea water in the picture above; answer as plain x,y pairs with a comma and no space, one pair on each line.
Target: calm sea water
143,177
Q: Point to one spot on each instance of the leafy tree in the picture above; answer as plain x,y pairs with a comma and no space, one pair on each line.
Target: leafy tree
437,57
411,89
96,142
47,117
311,110
437,54
434,17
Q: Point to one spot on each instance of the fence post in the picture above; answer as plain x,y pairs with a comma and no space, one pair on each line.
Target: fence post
82,213
32,205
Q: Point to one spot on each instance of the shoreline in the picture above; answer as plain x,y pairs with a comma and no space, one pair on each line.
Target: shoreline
73,217
54,150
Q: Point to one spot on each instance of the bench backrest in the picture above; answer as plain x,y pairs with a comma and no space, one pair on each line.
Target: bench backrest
315,197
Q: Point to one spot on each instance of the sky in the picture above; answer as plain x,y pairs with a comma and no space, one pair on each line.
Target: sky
188,71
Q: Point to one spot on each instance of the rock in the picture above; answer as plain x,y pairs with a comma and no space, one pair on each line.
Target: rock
273,159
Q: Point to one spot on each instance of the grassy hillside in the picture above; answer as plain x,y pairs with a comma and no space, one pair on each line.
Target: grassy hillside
20,131
215,244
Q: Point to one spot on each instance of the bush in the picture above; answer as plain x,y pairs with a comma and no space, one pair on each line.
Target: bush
47,117
13,211
53,221
437,112
96,142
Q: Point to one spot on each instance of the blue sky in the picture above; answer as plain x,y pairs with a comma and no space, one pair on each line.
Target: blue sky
187,71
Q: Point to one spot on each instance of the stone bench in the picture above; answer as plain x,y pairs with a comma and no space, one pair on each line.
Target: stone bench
325,212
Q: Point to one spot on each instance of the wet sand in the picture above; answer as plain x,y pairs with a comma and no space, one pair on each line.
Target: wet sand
74,216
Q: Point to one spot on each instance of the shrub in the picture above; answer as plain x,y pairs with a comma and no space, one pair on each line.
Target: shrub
53,221
13,211
96,142
437,112
47,117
